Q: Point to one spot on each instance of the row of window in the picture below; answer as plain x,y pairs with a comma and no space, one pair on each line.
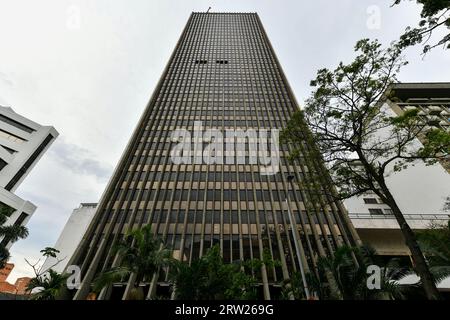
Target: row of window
212,195
378,211
275,123
16,124
12,137
215,216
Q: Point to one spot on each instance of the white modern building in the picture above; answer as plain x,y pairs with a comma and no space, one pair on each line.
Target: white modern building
420,191
22,143
71,236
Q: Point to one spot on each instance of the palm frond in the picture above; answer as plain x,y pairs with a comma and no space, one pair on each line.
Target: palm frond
109,277
4,256
51,283
440,273
13,232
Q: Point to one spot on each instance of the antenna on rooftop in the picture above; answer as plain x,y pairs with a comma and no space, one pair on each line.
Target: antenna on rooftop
208,9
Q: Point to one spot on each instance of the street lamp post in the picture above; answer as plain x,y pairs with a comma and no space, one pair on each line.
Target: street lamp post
290,178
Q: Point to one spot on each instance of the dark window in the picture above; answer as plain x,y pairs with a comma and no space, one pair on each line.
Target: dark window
28,163
234,216
173,217
370,200
375,211
194,194
5,209
196,176
146,216
2,164
164,215
259,195
177,195
216,218
226,217
198,216
191,216
181,218
155,216
16,124
208,216
11,151
275,195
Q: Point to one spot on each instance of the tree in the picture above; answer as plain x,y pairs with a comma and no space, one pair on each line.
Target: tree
435,243
296,287
140,254
9,233
209,278
50,284
352,279
435,16
360,142
47,283
50,252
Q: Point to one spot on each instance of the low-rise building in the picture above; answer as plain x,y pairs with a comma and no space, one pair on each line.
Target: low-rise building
70,236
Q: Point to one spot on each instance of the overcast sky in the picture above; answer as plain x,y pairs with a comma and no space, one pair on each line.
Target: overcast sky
89,67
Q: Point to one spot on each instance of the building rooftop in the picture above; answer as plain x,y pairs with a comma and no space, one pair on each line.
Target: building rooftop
425,90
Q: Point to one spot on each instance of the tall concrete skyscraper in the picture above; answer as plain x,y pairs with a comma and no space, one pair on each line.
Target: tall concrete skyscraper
223,75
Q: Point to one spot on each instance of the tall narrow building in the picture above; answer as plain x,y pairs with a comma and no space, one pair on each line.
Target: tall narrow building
223,75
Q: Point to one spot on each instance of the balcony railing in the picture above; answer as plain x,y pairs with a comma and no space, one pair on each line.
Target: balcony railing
407,216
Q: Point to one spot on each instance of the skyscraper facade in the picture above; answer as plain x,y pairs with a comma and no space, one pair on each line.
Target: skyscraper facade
223,75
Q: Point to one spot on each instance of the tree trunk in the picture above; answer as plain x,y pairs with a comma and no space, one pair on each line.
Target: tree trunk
420,265
136,293
335,292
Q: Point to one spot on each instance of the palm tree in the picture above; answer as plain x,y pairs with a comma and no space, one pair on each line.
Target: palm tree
10,233
140,254
435,242
351,278
209,278
4,256
296,287
48,285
